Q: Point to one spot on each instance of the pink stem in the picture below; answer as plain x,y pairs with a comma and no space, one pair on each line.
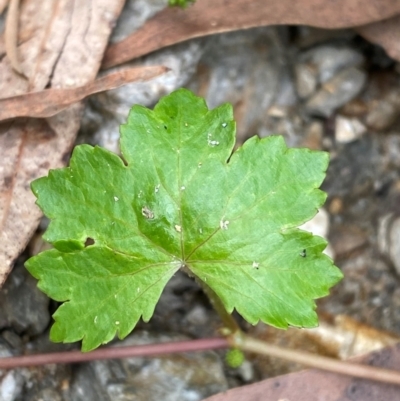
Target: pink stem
113,353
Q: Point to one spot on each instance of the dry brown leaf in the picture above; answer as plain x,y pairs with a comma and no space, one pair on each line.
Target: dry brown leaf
316,385
3,5
11,34
49,102
384,33
208,17
68,56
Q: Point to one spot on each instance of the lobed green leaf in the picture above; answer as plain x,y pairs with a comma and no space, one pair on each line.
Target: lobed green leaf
179,198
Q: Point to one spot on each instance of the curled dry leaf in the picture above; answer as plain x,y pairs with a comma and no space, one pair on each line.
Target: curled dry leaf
62,44
11,34
208,17
49,102
384,33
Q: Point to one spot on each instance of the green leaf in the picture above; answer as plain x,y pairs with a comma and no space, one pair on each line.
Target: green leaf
178,199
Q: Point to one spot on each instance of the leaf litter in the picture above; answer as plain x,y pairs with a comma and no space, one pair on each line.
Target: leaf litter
31,147
49,102
208,17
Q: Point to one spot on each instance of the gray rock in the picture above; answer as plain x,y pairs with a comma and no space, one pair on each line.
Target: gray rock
197,316
250,70
134,15
384,112
246,371
48,394
342,88
184,377
12,341
306,79
346,239
22,306
11,381
107,111
46,383
389,238
352,172
328,60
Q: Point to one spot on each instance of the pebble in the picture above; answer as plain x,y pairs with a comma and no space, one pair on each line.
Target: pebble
319,225
250,70
348,129
11,381
320,64
10,385
306,76
22,306
389,238
246,371
343,87
384,112
328,60
134,14
352,172
105,112
108,110
184,377
336,205
314,133
197,316
346,239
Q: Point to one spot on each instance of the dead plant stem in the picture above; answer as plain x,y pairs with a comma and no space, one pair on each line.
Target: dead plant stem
246,343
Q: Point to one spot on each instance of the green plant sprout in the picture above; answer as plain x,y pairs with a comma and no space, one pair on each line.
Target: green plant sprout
234,358
179,198
180,3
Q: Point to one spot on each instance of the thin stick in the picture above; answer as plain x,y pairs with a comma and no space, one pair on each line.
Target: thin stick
348,368
227,319
113,353
241,341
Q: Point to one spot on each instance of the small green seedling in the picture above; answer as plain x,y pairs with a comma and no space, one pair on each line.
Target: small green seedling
234,358
179,198
180,3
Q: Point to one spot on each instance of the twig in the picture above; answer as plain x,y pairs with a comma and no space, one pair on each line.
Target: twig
48,102
241,341
113,353
348,368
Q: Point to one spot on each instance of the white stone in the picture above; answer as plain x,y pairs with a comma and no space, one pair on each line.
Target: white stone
348,129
